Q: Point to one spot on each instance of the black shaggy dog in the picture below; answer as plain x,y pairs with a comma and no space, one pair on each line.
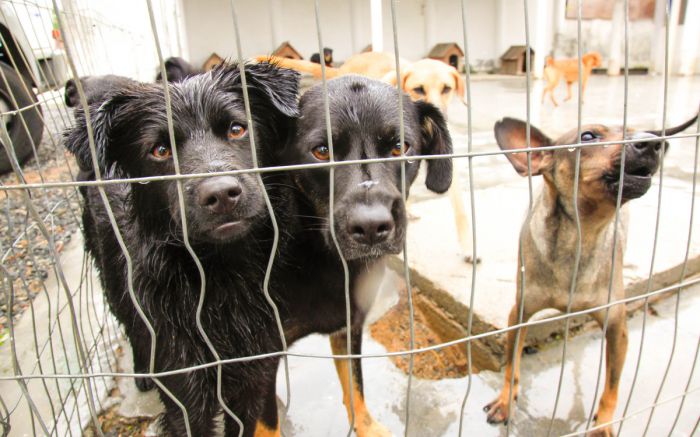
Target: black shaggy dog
228,226
369,211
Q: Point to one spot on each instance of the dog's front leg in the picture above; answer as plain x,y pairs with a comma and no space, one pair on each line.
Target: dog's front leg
365,425
568,91
461,220
268,424
497,410
615,353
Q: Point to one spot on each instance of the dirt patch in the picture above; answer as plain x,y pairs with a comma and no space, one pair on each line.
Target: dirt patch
393,331
115,425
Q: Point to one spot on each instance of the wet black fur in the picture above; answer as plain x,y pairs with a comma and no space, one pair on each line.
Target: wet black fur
235,314
365,124
308,280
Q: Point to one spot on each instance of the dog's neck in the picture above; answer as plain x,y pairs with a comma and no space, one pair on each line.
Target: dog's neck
554,229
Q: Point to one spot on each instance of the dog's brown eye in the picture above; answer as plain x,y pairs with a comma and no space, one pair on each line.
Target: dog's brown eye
396,150
161,152
236,131
446,89
321,153
419,90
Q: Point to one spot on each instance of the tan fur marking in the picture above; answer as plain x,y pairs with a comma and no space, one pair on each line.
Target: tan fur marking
262,430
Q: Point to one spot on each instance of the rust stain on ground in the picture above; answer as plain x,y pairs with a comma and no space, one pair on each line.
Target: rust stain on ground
393,331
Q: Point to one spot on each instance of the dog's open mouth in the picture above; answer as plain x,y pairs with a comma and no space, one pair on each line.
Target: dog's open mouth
635,183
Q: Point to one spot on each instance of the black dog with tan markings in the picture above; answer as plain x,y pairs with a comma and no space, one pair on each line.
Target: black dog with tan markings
549,238
369,210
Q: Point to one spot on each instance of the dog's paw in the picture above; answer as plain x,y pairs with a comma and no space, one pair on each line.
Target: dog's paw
144,384
371,428
602,432
469,259
496,411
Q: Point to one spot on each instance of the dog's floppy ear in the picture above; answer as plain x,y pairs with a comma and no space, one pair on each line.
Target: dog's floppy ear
390,77
510,134
592,58
278,86
77,139
437,141
459,84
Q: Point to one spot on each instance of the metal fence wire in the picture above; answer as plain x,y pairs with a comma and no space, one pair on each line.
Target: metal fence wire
59,343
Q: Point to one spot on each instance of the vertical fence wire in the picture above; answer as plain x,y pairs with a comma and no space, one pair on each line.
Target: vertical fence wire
521,255
185,231
692,210
684,271
331,218
271,212
645,311
577,222
48,236
475,256
406,272
112,220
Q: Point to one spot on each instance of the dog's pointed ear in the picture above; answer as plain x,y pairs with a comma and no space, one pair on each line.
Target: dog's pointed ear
510,135
436,141
280,86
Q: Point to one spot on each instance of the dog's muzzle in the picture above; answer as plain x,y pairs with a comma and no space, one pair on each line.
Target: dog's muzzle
642,160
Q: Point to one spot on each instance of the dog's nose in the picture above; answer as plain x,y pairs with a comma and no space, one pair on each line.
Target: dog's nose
219,195
370,224
649,146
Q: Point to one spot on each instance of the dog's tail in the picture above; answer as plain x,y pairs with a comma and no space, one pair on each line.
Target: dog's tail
548,61
300,66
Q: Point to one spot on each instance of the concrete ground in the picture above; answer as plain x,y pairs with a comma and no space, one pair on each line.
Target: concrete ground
316,404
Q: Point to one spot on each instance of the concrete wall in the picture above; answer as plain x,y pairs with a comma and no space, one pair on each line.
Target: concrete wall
421,24
493,25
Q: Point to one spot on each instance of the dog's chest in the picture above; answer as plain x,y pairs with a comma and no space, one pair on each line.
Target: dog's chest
550,265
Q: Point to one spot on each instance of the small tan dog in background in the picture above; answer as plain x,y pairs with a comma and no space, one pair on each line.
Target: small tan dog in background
427,79
554,70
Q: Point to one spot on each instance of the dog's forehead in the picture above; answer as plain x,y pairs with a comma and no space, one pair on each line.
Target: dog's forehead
605,133
354,101
429,75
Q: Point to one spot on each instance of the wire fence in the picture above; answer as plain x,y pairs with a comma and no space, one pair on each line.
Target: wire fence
60,357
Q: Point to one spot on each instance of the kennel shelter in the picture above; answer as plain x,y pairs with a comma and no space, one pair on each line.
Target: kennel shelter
63,356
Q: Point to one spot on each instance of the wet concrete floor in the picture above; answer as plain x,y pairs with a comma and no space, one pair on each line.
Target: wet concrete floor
316,403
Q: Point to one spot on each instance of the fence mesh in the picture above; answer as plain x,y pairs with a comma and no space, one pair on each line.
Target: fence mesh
60,345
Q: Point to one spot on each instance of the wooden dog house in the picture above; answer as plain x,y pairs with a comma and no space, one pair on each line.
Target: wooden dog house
450,53
513,60
212,61
286,50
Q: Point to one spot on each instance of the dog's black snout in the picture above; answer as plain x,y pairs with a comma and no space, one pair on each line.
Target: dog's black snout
648,146
220,194
370,224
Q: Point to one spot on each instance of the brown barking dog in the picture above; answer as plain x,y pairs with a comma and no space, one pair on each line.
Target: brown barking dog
427,79
549,238
568,68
